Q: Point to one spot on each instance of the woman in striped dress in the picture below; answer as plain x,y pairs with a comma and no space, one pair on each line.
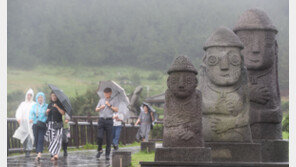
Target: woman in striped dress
54,134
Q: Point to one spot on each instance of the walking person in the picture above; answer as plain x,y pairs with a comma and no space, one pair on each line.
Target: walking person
25,130
38,117
66,133
145,118
54,134
106,106
117,125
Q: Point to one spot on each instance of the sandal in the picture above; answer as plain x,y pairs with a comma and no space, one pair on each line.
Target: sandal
54,158
37,158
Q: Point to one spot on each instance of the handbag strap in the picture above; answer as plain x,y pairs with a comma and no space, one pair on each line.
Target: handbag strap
52,114
37,113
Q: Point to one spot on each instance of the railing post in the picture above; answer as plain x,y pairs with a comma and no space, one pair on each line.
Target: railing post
91,131
8,142
76,133
125,135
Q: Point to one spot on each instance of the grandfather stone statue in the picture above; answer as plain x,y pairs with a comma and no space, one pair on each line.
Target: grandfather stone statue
182,112
257,33
224,89
225,103
260,52
182,136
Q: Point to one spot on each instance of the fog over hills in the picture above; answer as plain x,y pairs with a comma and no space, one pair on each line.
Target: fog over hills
142,33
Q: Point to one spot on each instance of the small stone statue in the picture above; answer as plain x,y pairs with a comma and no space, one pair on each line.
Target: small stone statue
223,84
260,52
182,133
182,112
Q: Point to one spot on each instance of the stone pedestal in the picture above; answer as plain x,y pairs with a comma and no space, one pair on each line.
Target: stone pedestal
183,154
148,146
266,131
274,150
121,158
235,152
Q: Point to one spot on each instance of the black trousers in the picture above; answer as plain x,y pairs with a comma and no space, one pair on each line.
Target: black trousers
39,137
105,126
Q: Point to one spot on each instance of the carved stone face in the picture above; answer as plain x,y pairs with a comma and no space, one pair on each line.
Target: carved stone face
182,84
223,65
259,48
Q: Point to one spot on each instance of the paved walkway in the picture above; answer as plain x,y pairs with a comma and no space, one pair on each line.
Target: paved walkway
75,158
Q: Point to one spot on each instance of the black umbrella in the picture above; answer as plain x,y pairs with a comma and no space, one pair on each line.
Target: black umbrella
62,98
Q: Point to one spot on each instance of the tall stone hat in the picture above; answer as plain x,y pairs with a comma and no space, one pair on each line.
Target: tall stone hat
223,37
181,64
254,19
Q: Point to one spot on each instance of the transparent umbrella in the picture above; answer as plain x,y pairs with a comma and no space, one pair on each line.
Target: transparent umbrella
151,109
118,94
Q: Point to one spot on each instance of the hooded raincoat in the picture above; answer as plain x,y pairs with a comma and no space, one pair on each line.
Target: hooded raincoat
38,111
22,114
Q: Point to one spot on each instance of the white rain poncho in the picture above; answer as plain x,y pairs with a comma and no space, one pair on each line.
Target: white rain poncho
22,114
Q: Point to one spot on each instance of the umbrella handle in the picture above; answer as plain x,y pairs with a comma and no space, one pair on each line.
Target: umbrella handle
107,106
112,99
114,96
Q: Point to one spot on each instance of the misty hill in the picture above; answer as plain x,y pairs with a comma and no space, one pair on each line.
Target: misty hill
141,33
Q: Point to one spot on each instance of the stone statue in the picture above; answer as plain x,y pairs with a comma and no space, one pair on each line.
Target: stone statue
223,84
134,106
182,134
182,112
260,52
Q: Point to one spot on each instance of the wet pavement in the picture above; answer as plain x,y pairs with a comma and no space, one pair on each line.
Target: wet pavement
75,158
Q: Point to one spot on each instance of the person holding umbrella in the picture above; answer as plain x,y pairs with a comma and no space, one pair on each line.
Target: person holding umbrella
106,107
55,112
60,104
146,118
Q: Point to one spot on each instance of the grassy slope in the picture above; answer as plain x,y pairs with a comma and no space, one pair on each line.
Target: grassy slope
72,79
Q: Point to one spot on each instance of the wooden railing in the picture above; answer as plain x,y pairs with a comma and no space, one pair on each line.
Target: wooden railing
130,120
83,131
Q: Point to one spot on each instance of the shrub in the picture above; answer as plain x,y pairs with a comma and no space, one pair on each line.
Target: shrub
14,99
285,106
157,131
159,110
285,124
154,76
86,103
